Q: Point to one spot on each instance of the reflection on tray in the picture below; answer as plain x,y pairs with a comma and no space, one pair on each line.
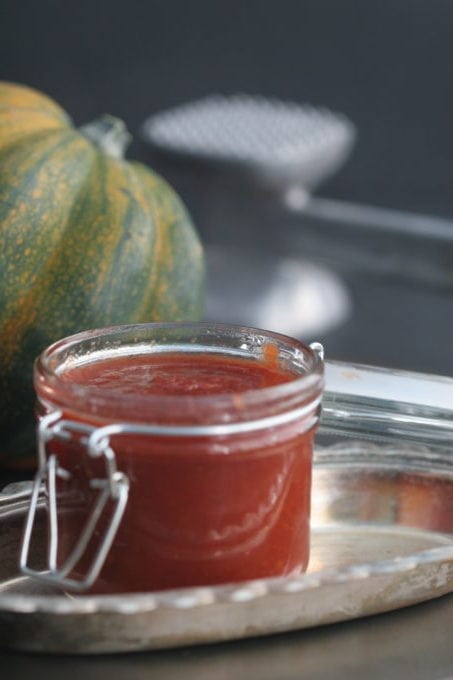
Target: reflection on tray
382,486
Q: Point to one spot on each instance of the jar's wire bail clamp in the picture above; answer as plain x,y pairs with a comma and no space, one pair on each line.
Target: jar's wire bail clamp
114,487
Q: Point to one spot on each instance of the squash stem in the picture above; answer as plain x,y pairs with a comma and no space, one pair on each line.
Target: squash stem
109,134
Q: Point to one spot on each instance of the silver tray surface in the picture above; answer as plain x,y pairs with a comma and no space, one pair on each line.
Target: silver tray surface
382,538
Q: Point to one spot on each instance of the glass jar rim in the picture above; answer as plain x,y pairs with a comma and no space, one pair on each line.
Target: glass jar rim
50,365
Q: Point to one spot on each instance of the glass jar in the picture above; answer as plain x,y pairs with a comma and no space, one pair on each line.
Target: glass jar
200,474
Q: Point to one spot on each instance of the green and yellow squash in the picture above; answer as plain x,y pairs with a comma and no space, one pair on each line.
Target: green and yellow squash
86,240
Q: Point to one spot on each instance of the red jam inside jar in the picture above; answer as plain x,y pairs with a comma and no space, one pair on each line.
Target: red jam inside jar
217,448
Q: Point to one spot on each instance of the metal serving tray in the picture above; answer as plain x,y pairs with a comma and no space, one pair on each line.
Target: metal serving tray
382,536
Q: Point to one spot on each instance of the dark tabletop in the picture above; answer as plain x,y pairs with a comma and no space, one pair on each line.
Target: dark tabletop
413,643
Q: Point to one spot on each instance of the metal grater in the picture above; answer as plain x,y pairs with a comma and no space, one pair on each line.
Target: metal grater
281,143
252,152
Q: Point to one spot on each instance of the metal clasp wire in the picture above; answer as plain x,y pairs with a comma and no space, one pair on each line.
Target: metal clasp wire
318,349
115,487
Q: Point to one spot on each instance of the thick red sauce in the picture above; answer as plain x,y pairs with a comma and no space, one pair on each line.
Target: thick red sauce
201,510
179,374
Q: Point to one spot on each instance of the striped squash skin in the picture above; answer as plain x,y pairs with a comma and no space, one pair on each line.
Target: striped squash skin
86,240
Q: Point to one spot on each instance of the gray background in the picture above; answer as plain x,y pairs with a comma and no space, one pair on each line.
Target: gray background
387,65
